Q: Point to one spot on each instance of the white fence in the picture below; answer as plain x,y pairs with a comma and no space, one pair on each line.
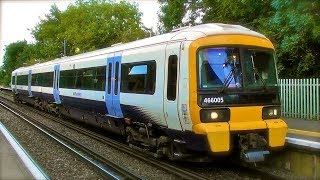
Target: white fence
300,98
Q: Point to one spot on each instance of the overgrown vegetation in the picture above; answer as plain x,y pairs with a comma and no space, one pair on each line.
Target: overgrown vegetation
85,26
292,25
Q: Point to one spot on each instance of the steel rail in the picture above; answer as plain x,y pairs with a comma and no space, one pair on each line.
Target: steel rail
107,168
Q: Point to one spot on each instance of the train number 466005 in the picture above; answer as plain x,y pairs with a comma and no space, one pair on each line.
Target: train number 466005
209,100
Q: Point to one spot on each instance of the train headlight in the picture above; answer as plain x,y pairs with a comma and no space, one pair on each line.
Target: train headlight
271,112
214,115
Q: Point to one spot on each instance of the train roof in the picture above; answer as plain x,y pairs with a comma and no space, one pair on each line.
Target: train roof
186,33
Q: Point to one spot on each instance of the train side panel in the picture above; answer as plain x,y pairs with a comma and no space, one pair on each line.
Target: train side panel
145,106
183,88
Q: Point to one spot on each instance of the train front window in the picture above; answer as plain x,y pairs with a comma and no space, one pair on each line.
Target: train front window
260,70
236,68
219,68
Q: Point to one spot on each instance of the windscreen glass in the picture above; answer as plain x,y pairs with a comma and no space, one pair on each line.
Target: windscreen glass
219,67
236,68
259,68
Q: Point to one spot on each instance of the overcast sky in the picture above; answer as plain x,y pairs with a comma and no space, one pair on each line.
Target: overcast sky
17,16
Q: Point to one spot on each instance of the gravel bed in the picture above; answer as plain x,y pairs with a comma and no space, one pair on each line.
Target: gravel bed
6,95
56,161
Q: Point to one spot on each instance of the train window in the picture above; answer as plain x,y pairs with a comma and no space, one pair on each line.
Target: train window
88,79
116,78
67,79
219,68
78,78
47,79
136,70
22,80
139,77
109,77
172,77
260,68
34,80
100,79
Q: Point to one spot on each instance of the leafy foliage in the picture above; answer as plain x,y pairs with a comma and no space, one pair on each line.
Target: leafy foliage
16,54
295,30
178,13
87,26
292,25
250,13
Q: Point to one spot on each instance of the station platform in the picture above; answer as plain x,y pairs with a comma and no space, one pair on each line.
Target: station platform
14,162
303,132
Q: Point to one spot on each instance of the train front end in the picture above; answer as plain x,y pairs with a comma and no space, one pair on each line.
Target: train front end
234,96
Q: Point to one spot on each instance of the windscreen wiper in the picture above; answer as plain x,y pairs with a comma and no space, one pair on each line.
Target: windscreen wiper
228,80
256,73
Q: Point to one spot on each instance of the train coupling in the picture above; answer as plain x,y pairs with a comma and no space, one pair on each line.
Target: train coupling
253,147
254,156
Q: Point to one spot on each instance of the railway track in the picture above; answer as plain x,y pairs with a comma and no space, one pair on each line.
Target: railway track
107,169
180,172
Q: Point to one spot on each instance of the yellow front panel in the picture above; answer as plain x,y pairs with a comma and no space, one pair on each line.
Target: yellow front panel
218,135
277,129
242,118
240,126
246,118
217,40
245,114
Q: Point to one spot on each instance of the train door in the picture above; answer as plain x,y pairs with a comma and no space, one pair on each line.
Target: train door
170,105
29,83
113,77
56,77
15,83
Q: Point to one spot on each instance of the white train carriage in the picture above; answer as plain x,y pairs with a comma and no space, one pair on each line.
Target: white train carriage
149,90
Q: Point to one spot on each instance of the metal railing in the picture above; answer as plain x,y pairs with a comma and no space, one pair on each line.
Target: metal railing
300,98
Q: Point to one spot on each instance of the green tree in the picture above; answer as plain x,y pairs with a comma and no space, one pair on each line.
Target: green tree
16,54
46,34
295,30
249,13
2,77
178,13
293,26
87,26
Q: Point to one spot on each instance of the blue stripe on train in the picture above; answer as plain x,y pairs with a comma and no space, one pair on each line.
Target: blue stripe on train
56,84
109,88
112,97
15,83
29,83
116,95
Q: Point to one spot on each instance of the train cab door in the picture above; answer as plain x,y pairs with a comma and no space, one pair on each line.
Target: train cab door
170,105
29,83
15,83
113,77
56,77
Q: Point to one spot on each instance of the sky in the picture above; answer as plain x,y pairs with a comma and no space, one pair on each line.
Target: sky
18,16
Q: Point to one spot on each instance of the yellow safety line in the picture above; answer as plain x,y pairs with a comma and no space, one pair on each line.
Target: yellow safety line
309,133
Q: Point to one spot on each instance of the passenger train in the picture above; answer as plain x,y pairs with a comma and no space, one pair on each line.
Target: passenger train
194,93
